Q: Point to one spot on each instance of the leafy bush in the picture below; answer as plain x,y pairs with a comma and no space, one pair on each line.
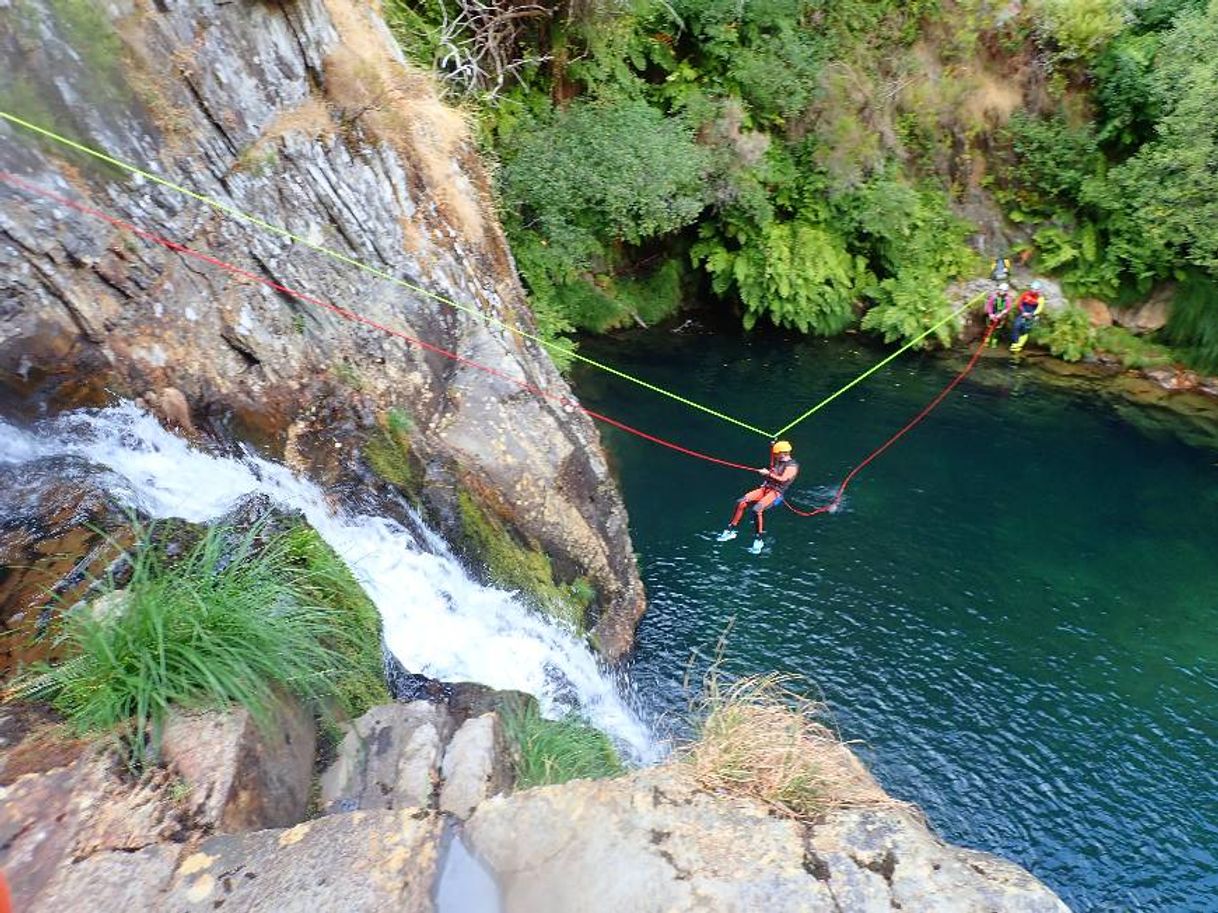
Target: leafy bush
1066,333
1193,324
908,308
796,273
555,751
602,172
229,623
1079,28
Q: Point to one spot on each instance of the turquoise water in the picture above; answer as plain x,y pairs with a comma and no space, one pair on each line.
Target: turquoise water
1015,613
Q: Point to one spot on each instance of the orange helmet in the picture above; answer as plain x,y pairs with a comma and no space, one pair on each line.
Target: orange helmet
781,447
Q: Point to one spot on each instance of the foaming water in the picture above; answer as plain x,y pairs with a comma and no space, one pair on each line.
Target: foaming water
437,620
1015,613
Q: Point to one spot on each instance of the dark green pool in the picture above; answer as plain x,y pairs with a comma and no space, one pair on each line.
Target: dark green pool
1016,612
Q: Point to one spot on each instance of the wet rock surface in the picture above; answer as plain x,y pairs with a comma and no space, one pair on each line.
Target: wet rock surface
304,115
81,837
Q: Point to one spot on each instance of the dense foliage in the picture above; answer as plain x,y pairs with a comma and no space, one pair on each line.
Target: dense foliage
798,159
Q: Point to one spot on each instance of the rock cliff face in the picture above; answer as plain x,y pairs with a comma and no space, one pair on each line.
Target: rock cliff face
301,113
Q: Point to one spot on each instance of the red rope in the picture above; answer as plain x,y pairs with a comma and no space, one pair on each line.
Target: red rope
841,489
174,246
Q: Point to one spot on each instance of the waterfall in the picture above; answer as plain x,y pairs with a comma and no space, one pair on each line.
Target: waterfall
437,620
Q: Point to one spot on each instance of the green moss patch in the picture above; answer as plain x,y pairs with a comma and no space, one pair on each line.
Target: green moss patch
521,567
388,452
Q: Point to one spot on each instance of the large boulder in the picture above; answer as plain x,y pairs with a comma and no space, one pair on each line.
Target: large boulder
1149,315
361,862
111,882
238,775
220,773
476,765
389,758
655,841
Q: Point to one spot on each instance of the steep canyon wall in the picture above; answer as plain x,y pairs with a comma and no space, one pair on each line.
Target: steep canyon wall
303,114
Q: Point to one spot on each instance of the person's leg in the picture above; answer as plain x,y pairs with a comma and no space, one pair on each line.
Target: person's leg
766,499
751,497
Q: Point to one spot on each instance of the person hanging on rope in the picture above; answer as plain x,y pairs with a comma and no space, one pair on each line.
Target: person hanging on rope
1027,309
778,476
997,306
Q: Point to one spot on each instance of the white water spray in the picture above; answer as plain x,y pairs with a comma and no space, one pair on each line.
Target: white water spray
437,621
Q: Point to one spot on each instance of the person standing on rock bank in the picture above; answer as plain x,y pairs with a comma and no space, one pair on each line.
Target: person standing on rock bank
997,306
1027,309
778,477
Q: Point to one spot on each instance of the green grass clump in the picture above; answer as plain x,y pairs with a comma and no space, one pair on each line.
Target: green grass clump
519,567
360,682
555,751
234,621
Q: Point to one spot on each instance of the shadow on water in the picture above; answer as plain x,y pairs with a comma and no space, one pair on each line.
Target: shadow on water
1015,611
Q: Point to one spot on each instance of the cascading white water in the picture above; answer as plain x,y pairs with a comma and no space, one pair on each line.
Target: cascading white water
437,620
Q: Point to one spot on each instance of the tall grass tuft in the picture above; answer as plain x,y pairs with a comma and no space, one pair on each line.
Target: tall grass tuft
232,621
555,751
760,738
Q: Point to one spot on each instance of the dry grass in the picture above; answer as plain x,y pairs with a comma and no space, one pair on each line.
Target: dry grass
401,106
760,738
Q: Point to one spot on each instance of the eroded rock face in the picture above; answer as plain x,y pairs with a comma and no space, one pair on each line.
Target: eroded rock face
303,115
652,841
241,776
475,765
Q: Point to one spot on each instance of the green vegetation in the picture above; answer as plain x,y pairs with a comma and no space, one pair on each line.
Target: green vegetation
651,148
1132,351
760,737
1067,334
322,578
1192,326
388,451
516,566
800,160
236,620
555,751
1127,199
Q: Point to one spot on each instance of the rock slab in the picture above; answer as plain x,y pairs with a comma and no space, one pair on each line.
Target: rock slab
652,842
361,862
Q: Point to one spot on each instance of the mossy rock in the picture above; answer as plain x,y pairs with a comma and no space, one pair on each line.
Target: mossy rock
389,455
518,566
